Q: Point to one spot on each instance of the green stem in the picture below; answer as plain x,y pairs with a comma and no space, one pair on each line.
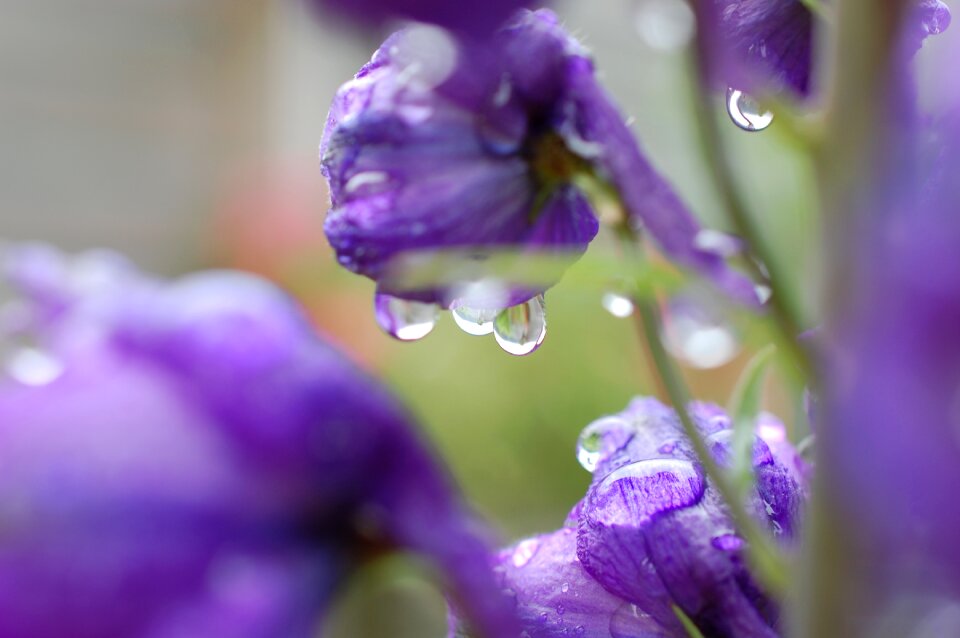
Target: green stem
783,305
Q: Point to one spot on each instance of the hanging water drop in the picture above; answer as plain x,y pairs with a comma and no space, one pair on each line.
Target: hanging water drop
520,329
698,334
404,319
474,321
600,439
524,551
746,112
33,367
618,305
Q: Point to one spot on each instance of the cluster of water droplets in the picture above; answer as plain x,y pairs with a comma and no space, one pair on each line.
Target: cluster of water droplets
746,112
518,330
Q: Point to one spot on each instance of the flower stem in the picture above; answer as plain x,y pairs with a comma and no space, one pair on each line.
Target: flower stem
766,558
783,304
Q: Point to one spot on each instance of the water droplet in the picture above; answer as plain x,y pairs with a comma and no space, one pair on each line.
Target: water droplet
666,485
524,552
617,305
727,542
521,329
763,293
698,334
474,321
403,319
365,183
561,609
425,56
667,448
600,439
719,243
746,112
30,366
544,617
665,25
564,588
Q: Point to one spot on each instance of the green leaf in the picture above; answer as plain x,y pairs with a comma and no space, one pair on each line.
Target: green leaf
743,409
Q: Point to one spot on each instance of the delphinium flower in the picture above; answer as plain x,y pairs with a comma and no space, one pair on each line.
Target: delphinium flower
892,395
187,458
653,537
464,18
768,47
438,145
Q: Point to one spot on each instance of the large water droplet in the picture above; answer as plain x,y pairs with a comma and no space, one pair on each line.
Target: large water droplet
746,112
652,487
521,329
403,319
474,321
618,305
600,439
33,367
425,55
698,335
665,25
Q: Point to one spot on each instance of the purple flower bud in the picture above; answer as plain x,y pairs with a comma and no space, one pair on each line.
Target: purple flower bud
442,145
470,18
652,534
187,458
768,45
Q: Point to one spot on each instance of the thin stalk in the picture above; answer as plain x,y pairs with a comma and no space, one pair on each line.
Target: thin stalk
770,565
783,305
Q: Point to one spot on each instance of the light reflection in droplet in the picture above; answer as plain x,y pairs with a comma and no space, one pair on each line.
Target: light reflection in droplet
746,112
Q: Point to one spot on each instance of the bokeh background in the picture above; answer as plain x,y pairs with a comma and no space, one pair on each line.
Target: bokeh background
184,133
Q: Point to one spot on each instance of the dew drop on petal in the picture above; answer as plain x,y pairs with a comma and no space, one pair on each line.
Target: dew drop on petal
524,552
474,321
32,367
665,25
746,112
520,329
697,335
618,305
600,439
564,588
404,319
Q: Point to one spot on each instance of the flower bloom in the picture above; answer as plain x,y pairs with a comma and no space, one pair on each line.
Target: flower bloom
652,534
441,145
768,45
892,394
188,459
472,19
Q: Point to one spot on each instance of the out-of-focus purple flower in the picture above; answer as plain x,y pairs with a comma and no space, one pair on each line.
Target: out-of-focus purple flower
465,18
768,45
437,145
891,435
189,459
652,534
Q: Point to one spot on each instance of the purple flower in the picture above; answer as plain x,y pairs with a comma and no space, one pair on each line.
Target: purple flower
891,435
437,145
768,45
467,18
652,534
189,459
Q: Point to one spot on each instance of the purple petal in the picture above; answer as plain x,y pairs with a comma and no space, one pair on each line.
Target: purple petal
556,597
594,129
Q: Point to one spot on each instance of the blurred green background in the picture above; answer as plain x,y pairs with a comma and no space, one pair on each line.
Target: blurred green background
184,133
